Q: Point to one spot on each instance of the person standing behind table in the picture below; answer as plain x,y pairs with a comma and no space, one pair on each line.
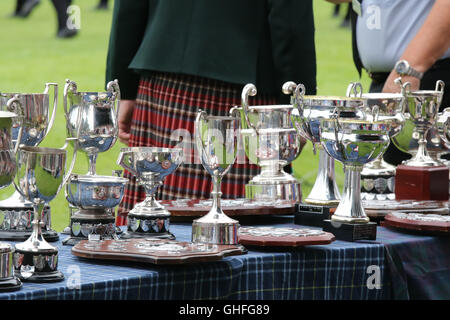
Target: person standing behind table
174,57
388,33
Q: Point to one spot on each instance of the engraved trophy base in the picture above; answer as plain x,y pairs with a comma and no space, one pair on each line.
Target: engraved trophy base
312,215
154,225
86,223
421,183
16,224
215,232
26,269
351,231
10,284
290,191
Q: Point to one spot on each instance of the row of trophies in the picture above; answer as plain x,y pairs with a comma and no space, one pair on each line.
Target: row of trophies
354,129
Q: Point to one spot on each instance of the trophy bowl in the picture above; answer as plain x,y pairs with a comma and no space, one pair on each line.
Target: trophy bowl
93,199
98,127
354,143
271,142
150,165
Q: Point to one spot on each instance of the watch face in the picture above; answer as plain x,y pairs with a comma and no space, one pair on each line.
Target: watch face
402,67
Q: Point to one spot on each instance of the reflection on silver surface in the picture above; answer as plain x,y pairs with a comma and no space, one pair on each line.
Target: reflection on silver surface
279,232
422,217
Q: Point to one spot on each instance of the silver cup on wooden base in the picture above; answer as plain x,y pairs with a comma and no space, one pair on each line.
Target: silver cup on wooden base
40,176
217,140
37,119
150,165
271,142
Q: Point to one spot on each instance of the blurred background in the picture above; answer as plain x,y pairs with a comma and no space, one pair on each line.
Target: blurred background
31,54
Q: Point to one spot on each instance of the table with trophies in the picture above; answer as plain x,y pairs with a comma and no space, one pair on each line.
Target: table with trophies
375,241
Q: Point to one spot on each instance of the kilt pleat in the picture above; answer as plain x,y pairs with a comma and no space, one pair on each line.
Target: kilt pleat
168,102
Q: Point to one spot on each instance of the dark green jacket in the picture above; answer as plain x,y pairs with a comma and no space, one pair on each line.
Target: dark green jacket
265,42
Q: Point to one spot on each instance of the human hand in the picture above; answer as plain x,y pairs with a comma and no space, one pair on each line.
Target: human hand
124,119
391,87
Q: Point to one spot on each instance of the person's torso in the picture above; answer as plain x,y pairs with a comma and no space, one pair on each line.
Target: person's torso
385,29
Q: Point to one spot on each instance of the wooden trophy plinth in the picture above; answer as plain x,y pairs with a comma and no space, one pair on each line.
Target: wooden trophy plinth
421,183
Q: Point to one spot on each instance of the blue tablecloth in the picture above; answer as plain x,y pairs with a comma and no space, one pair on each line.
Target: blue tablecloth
396,265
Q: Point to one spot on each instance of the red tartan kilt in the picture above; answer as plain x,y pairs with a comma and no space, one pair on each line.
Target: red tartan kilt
167,102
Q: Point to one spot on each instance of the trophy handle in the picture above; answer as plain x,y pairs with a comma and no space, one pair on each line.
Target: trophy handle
14,105
113,86
72,164
70,86
249,90
198,133
55,103
440,85
354,90
289,87
123,161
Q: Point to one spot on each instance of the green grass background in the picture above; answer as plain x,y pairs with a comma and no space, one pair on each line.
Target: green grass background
31,55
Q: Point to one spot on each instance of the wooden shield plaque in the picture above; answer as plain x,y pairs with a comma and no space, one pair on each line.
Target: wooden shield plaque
283,237
434,223
154,251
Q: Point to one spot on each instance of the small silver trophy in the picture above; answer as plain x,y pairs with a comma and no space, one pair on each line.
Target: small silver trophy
217,140
40,176
93,197
36,121
354,142
8,281
150,165
271,142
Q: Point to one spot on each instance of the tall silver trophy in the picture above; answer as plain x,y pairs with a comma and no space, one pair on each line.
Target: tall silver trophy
217,139
40,177
354,142
16,213
271,142
93,197
421,177
8,280
310,110
378,176
150,166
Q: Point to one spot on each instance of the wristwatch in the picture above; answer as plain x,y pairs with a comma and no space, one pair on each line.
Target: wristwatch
403,68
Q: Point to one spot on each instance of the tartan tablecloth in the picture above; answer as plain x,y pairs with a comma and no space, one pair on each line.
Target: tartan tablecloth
341,270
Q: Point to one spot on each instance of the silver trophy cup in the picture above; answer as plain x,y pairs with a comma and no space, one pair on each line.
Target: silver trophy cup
8,281
40,176
354,142
98,127
421,113
36,122
98,132
271,142
378,176
311,110
150,165
217,140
